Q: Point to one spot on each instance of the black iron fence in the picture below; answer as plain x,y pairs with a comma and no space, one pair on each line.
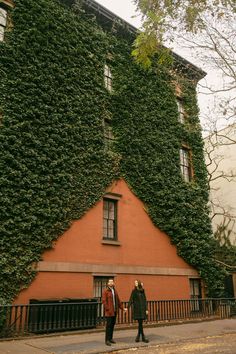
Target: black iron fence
68,315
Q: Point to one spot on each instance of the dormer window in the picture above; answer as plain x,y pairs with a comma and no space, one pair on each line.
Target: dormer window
181,113
108,78
3,22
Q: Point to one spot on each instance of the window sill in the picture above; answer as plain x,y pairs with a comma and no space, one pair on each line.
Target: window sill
111,242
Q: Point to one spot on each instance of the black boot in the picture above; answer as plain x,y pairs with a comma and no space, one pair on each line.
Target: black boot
137,338
144,339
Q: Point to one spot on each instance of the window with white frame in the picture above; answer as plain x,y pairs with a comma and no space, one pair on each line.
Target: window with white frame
3,22
185,164
181,113
108,78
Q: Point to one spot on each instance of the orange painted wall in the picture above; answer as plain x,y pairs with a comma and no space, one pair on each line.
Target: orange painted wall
55,285
142,244
49,285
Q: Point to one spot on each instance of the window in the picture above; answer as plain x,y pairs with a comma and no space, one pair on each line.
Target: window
195,294
181,116
229,287
108,78
185,164
108,133
109,219
195,288
3,22
99,285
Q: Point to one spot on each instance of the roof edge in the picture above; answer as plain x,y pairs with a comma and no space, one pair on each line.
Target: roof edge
197,72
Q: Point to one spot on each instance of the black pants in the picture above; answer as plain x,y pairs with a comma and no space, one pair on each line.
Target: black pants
110,324
140,328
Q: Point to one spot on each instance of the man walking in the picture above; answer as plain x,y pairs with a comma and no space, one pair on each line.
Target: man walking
111,303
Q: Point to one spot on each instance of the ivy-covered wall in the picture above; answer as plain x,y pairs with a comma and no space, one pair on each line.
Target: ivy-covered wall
54,161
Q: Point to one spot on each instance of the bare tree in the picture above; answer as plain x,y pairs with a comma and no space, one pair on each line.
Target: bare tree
220,153
216,48
205,30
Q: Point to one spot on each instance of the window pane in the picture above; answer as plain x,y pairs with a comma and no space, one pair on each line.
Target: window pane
196,288
108,130
3,23
105,227
105,209
99,285
180,111
112,211
1,33
107,71
110,229
185,165
109,84
186,174
195,294
3,17
107,78
108,134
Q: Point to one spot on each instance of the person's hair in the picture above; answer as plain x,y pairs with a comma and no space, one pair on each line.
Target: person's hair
140,285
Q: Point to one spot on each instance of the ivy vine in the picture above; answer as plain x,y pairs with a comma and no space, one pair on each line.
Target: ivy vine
54,162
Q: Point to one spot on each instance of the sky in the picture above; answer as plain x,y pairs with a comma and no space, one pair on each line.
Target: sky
127,10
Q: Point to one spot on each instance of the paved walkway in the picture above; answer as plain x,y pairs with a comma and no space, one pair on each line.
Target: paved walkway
92,342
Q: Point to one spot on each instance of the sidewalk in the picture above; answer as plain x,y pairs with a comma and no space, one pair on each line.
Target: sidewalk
92,342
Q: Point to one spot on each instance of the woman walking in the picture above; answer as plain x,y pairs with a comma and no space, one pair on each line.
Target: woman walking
139,308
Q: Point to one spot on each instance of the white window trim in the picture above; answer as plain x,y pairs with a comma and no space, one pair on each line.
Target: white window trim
108,78
181,112
3,22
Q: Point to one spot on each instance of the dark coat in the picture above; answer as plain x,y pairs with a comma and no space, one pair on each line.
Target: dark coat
139,304
108,304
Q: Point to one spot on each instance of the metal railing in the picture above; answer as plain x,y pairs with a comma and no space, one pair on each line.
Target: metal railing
19,320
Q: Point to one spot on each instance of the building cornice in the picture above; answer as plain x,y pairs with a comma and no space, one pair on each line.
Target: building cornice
184,64
74,267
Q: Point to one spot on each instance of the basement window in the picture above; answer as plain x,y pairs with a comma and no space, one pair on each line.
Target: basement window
99,285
